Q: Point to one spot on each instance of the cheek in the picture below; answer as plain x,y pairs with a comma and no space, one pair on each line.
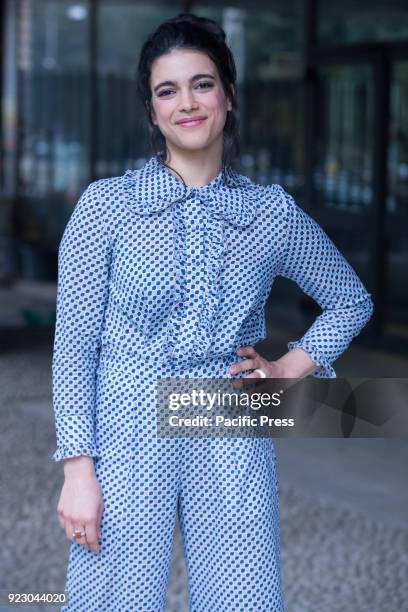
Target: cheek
163,111
215,101
218,104
218,113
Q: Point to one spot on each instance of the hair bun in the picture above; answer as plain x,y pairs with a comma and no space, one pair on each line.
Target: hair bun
208,25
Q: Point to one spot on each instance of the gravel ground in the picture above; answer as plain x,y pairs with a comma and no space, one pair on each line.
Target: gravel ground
333,557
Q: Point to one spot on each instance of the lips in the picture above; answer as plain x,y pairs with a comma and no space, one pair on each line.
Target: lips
191,122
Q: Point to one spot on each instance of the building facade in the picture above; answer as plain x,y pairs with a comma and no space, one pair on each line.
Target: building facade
323,97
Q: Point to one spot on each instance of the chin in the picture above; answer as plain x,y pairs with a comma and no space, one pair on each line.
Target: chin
191,145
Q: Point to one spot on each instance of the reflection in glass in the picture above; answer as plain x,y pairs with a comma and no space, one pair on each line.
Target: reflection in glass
122,136
344,162
397,201
53,66
349,22
268,49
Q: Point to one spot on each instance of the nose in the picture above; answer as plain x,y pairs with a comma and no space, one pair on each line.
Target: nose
188,100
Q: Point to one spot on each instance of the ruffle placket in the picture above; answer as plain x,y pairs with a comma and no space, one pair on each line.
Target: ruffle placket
230,198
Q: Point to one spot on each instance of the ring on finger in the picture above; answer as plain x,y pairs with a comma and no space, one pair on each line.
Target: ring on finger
260,372
78,534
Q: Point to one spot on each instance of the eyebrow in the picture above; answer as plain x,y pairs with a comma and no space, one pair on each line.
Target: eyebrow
193,78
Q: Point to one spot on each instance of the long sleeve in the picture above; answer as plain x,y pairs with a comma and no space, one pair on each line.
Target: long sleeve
313,261
83,270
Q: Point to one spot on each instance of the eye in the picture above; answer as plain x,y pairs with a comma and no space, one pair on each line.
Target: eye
207,85
164,91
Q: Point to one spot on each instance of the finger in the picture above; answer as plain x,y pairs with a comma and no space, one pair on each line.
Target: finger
75,526
82,541
254,374
248,380
98,524
246,351
237,383
92,536
69,529
98,529
259,374
247,364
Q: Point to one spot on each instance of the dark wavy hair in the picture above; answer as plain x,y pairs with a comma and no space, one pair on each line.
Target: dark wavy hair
188,31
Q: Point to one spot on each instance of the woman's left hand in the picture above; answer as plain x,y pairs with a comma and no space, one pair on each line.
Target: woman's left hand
253,361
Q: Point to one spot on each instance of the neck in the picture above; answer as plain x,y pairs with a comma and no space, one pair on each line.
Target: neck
197,168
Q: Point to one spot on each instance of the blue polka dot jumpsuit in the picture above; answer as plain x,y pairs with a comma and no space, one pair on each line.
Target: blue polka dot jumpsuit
159,279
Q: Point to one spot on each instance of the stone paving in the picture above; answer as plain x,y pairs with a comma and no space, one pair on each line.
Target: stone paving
334,558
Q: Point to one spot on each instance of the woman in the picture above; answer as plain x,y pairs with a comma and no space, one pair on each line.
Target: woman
164,272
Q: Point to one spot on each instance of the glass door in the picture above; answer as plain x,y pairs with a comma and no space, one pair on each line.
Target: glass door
397,203
343,172
344,166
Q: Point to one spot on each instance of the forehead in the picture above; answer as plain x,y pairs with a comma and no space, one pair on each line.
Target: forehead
180,65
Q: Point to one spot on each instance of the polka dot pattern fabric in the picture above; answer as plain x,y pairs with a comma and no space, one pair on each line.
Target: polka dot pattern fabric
157,279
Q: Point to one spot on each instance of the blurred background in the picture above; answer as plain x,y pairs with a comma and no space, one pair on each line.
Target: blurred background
323,96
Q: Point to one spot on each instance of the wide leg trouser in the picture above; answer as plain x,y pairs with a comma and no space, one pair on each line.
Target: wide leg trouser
229,519
226,493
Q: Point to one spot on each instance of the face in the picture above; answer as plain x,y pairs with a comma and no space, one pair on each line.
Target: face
186,84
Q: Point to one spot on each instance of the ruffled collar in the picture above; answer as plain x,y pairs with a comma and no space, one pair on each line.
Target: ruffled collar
230,195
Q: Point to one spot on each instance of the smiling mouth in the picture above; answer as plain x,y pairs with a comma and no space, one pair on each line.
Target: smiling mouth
191,123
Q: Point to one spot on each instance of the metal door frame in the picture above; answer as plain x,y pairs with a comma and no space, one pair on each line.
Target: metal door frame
381,56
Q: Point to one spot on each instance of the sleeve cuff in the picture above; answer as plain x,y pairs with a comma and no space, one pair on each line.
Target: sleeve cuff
324,368
75,435
63,452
